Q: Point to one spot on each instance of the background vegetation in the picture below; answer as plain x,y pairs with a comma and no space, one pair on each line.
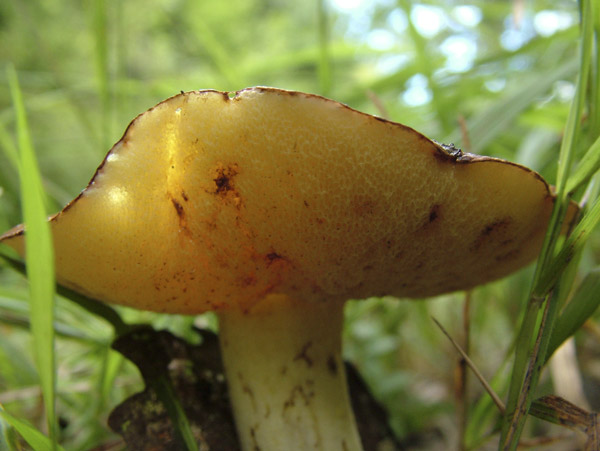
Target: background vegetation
495,78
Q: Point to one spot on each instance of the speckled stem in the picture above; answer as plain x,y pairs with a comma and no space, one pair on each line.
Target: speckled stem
286,377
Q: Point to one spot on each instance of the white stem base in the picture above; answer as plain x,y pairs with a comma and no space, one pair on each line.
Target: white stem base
286,378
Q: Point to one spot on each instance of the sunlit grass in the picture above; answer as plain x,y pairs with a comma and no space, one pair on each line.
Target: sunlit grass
39,260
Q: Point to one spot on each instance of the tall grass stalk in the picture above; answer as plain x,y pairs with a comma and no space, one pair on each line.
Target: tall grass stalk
39,259
542,309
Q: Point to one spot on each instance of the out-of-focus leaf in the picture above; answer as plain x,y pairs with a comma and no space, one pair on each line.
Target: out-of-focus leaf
491,122
325,80
9,148
112,364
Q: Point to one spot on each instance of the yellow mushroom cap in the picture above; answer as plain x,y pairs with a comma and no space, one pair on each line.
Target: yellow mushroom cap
211,201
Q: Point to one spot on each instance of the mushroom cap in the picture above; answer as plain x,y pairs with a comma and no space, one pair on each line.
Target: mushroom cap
211,201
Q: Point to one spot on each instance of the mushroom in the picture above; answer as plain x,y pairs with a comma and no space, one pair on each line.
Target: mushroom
272,208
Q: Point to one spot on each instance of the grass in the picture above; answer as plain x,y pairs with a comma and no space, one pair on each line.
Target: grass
71,103
549,292
39,260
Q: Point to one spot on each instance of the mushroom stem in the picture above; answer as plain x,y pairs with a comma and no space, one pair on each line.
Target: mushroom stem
286,377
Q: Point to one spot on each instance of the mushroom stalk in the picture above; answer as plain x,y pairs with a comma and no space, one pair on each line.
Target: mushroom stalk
286,377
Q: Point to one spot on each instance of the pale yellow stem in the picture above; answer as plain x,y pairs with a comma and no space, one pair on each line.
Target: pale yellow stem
286,377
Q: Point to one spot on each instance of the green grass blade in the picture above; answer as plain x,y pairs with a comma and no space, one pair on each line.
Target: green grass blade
571,247
543,306
112,364
35,439
582,306
39,258
8,437
589,165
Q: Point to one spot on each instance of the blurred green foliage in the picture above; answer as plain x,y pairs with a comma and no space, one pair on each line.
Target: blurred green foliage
494,78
